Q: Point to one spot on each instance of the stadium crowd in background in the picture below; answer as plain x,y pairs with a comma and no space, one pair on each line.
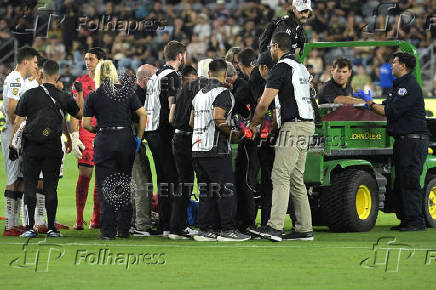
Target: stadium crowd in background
209,28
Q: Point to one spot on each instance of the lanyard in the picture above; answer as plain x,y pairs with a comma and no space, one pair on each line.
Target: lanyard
54,101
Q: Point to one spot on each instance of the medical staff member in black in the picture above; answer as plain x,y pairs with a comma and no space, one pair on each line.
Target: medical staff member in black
114,147
183,153
289,85
405,111
161,92
44,107
212,158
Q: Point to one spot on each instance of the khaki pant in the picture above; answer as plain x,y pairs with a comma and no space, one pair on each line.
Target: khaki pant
287,176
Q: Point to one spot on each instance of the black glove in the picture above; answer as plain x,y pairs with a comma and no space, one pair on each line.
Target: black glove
78,86
13,153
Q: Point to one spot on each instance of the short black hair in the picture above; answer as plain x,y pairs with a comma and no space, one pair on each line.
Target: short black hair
98,52
40,62
342,62
246,56
26,53
407,59
217,65
283,40
172,49
50,68
188,70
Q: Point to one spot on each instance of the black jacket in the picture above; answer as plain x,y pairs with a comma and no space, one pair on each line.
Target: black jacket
404,108
291,25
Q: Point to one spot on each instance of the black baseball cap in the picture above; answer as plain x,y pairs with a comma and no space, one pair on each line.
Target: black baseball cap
264,59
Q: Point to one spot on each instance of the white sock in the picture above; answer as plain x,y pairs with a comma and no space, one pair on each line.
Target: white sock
40,209
9,211
24,215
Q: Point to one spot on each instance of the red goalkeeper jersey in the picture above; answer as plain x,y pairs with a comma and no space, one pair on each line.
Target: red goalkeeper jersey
88,86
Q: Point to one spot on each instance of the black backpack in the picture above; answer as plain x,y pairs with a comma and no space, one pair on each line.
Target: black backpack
47,123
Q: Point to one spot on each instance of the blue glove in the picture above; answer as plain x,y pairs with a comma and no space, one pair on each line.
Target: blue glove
366,106
361,95
138,143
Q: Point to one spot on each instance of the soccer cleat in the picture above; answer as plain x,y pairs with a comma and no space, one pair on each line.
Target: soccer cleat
40,229
94,226
29,234
412,228
53,234
293,236
78,227
179,235
2,218
137,233
61,226
270,233
11,233
232,236
206,236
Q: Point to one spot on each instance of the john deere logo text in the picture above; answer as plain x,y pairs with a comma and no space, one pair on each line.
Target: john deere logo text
366,136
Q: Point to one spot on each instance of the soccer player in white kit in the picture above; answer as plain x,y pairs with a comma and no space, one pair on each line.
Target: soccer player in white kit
13,88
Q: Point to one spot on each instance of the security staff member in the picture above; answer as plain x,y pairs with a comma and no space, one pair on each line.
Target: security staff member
141,172
161,92
298,14
338,90
210,119
182,151
44,107
404,109
290,82
115,144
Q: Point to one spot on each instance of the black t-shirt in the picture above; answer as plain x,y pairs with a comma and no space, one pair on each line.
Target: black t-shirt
35,101
112,108
328,93
170,85
256,84
280,78
141,95
243,97
184,99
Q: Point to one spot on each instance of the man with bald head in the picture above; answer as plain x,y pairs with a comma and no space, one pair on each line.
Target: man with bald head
141,173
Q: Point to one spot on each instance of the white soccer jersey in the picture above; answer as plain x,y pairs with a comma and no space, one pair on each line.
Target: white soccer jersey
28,84
13,88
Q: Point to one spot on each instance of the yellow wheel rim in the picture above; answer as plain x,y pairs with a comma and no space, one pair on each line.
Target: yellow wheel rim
432,203
363,202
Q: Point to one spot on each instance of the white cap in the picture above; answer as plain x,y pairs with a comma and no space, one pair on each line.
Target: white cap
301,5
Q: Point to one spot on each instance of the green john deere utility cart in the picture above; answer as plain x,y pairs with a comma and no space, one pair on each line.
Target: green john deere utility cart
349,168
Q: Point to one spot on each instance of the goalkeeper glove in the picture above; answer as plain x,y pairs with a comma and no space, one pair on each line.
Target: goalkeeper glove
77,145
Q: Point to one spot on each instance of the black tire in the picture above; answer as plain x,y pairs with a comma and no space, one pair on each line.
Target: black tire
430,201
338,203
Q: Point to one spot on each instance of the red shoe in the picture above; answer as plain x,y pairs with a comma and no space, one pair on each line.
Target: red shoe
41,229
61,227
11,233
2,218
78,227
94,226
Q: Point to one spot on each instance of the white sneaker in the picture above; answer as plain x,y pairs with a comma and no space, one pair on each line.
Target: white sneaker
137,233
191,232
205,236
165,234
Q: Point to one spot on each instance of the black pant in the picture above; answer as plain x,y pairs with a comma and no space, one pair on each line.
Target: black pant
48,158
159,142
114,153
217,208
266,159
246,172
409,157
183,159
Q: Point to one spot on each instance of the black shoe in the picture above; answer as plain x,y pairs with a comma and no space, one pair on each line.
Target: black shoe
106,238
412,228
293,236
124,235
271,233
397,228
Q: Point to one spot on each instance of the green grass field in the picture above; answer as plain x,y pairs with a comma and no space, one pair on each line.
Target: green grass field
332,261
